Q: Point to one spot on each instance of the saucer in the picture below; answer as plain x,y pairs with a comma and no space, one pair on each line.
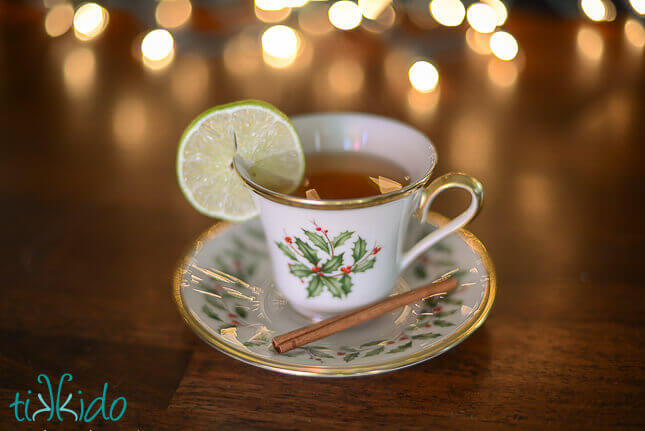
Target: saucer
225,292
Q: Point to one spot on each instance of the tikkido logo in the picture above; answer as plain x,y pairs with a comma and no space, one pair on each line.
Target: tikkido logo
55,408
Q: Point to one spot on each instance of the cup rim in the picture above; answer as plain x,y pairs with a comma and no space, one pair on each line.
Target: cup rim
335,204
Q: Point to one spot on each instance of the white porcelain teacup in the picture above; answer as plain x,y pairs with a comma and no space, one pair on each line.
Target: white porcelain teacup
331,256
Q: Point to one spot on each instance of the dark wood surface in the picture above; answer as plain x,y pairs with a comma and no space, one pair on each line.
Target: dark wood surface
92,224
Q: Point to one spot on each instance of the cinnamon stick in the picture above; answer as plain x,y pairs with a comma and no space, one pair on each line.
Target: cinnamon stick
308,334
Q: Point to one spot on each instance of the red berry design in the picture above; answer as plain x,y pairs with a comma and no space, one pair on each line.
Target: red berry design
427,325
288,239
315,269
231,316
341,353
390,342
235,322
376,250
318,359
437,309
403,338
318,229
326,231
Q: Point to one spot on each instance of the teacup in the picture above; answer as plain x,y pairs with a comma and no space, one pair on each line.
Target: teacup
331,256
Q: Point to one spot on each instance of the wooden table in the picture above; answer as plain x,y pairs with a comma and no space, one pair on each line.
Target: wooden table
93,224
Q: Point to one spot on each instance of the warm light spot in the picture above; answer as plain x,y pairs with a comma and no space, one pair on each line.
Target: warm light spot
634,33
478,42
345,76
280,46
79,71
173,13
500,10
422,104
314,20
371,9
594,9
129,122
502,73
189,82
423,76
270,4
89,21
481,17
396,66
157,49
638,5
345,15
590,44
242,55
472,145
59,19
272,16
503,45
383,22
450,13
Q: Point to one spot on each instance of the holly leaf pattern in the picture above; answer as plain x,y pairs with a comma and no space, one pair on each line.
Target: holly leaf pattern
372,343
375,351
207,311
359,249
346,284
287,251
341,238
364,266
315,287
401,348
300,270
318,240
426,336
307,251
445,313
240,311
332,264
332,285
442,323
351,356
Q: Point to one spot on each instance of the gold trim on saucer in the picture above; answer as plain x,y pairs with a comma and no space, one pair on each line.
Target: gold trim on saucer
464,331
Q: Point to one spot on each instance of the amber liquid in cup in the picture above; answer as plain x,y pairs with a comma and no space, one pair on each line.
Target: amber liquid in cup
349,175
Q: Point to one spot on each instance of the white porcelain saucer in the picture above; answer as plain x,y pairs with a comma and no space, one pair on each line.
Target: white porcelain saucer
225,293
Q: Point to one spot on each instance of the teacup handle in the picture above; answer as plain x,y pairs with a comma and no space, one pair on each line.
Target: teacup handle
431,191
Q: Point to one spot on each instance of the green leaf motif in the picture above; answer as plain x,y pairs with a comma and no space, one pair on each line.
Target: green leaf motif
214,302
332,285
453,301
318,240
346,284
432,301
372,343
315,287
341,238
442,323
300,270
287,251
351,356
318,353
207,311
425,336
359,249
332,264
253,343
401,348
307,251
445,313
240,311
420,271
375,351
364,266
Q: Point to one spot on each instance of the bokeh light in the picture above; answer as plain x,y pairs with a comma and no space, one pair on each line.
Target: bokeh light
129,122
421,105
59,19
173,13
638,5
79,71
450,13
280,46
478,42
371,9
270,4
590,44
423,76
345,76
90,20
481,17
594,9
383,22
242,55
157,49
503,45
502,73
634,33
345,15
500,10
314,20
272,16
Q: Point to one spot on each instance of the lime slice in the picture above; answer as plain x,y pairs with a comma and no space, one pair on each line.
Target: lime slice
265,138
